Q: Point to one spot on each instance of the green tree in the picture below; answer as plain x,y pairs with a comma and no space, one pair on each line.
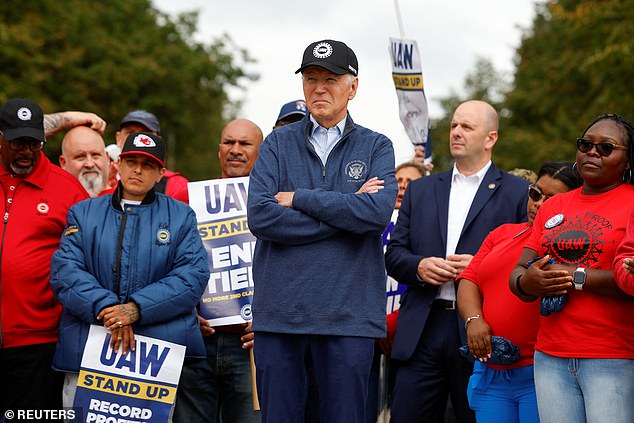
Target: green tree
575,63
114,56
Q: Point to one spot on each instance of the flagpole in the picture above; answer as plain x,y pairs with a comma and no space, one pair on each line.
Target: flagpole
399,19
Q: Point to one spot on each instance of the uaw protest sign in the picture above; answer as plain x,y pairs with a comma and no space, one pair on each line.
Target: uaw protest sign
139,386
221,212
393,289
407,75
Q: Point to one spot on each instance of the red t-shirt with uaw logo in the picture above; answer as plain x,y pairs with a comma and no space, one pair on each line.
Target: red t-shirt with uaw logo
584,231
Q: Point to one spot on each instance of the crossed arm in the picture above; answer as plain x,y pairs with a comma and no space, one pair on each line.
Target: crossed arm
308,215
370,186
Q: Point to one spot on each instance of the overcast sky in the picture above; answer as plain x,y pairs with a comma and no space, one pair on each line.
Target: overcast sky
451,35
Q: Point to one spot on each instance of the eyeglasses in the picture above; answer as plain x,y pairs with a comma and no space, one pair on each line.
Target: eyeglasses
604,148
535,194
20,143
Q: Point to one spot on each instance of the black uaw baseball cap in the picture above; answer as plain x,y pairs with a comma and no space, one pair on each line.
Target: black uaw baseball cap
145,144
331,55
21,117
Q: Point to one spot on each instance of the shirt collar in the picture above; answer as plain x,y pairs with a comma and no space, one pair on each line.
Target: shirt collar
38,175
339,127
117,196
479,175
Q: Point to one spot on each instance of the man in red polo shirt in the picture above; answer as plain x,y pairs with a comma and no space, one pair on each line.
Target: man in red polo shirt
36,196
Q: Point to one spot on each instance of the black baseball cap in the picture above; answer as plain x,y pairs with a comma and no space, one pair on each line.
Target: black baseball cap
21,117
143,117
145,144
331,55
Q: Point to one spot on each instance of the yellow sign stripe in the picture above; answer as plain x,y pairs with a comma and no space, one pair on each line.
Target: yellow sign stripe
126,387
223,228
408,81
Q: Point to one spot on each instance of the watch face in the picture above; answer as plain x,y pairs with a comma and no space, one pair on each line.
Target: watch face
579,277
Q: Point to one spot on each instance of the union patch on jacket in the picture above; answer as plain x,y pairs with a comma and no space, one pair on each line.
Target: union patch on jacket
163,236
71,229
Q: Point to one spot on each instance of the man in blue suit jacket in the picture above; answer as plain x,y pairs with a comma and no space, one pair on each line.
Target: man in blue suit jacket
442,222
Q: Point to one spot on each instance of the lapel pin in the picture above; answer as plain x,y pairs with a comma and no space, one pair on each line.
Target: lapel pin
491,186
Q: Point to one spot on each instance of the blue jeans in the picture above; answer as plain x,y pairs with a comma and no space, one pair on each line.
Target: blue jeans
218,388
503,395
592,390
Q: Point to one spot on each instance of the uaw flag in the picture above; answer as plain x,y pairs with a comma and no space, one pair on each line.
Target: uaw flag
408,81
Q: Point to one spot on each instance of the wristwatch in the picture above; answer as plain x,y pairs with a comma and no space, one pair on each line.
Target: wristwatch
579,278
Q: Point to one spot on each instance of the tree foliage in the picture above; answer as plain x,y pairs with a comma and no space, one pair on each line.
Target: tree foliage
574,63
114,56
483,83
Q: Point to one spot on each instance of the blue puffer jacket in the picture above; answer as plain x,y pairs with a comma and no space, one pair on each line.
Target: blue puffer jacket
150,254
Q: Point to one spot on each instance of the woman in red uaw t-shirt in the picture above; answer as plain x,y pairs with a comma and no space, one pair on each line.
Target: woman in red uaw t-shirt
584,356
506,393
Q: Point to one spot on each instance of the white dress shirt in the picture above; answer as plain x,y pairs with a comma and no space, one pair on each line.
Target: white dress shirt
463,191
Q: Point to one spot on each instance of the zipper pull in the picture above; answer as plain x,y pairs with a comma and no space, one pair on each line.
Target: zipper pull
6,217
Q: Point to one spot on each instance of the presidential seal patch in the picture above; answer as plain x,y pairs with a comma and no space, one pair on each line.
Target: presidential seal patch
356,169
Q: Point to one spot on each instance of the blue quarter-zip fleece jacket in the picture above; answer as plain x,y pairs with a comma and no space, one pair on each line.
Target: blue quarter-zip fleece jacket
150,254
318,268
